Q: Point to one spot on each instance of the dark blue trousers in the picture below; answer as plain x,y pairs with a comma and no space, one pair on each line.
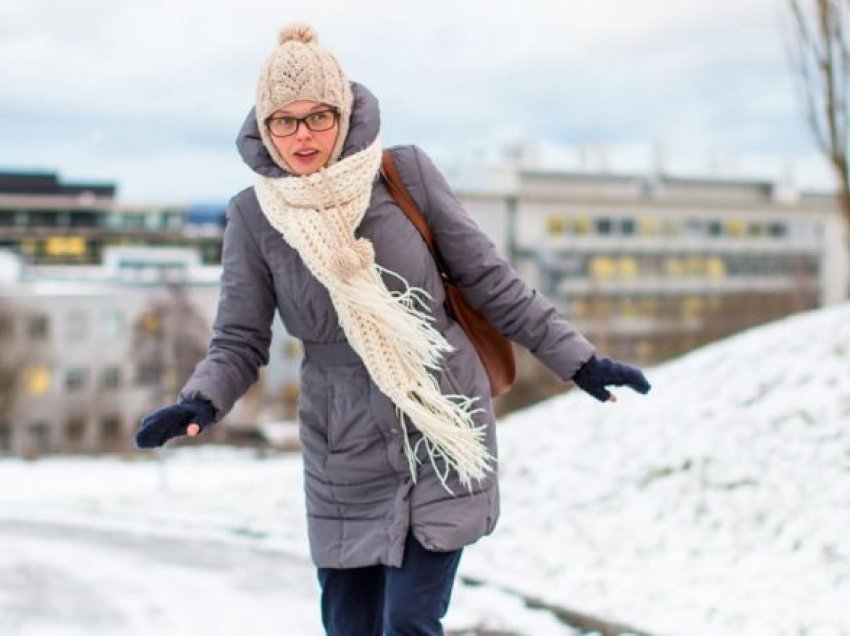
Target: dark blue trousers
385,601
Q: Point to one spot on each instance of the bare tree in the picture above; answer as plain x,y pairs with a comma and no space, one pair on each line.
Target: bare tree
821,56
169,338
8,364
15,361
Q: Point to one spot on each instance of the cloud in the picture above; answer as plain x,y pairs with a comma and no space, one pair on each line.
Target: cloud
131,86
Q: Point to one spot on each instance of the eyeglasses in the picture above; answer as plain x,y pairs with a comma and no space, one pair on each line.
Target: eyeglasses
286,126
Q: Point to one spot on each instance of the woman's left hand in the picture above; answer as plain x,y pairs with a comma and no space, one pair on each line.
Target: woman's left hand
598,373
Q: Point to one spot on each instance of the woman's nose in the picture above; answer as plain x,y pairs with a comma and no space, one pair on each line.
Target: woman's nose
302,132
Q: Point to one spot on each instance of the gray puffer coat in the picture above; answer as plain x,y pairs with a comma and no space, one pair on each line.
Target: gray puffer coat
361,499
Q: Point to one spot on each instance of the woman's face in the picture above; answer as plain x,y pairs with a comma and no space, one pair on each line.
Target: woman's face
304,151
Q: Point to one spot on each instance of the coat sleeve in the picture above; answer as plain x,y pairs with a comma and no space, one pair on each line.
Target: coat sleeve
489,282
242,327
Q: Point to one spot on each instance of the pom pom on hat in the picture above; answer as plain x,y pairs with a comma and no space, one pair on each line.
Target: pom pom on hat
299,69
298,32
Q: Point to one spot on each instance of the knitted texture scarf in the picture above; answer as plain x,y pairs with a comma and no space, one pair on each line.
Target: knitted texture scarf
392,332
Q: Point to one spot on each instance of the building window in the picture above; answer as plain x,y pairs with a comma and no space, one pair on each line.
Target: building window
600,307
748,265
39,327
7,380
603,226
211,252
77,326
672,228
777,230
674,267
649,307
805,265
715,228
643,349
29,246
578,308
736,228
603,267
691,306
715,267
76,379
65,246
5,437
780,265
39,437
581,226
7,327
43,218
650,226
627,227
694,227
695,266
76,431
85,218
804,230
150,323
628,308
111,429
148,374
111,378
628,267
556,224
37,380
172,221
113,325
134,222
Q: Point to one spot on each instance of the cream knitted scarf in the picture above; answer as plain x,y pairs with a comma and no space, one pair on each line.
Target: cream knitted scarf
391,332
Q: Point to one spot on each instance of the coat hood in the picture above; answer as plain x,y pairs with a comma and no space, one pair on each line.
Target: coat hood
363,129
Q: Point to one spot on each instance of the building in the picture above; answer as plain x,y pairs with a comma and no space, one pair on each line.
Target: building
105,309
650,267
47,221
86,351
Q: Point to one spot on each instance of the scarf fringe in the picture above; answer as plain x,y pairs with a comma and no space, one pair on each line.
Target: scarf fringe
449,433
446,422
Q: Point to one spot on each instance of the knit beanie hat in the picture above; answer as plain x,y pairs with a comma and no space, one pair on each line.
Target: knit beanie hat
299,68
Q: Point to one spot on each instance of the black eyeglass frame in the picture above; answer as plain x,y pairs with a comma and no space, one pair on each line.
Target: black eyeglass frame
304,120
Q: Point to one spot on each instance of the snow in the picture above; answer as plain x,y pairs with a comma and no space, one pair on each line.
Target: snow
130,527
92,585
717,504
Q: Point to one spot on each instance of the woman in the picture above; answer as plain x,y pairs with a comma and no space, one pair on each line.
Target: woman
395,415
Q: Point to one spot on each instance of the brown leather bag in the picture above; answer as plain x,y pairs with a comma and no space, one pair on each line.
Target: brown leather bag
495,351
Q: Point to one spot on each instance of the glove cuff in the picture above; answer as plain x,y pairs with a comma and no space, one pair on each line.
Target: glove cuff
586,366
205,411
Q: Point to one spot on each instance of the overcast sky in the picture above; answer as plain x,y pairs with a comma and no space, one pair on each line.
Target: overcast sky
151,94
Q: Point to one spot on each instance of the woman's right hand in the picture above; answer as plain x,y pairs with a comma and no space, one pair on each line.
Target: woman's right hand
184,418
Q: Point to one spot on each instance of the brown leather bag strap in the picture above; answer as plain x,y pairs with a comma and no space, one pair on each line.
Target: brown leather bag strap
390,173
494,350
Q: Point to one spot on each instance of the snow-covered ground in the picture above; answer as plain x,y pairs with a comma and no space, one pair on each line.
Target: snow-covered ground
200,541
718,504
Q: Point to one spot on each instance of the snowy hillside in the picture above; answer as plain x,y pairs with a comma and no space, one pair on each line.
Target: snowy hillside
718,504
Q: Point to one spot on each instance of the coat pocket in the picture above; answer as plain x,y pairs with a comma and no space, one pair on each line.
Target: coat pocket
350,423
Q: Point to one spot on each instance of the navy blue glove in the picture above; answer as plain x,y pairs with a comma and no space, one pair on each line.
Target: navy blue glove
172,421
597,373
